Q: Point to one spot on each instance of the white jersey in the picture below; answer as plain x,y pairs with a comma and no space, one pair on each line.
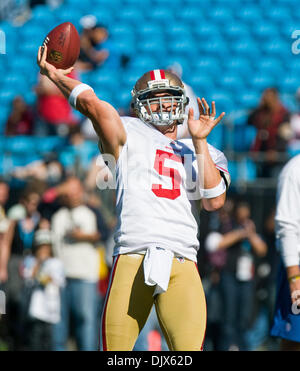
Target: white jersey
157,181
287,218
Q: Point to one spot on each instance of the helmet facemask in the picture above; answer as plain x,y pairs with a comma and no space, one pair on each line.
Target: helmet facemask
175,97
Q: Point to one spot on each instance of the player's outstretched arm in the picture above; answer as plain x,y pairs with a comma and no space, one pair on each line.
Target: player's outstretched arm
106,120
199,130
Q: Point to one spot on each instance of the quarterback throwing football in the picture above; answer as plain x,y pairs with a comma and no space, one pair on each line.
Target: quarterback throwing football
157,179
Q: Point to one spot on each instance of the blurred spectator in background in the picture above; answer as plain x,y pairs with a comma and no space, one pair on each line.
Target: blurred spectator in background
54,114
43,277
182,130
4,194
17,242
100,180
271,119
238,238
74,228
265,287
80,152
20,120
96,48
48,170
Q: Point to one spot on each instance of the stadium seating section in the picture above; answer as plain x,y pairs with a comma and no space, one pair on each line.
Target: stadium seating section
230,50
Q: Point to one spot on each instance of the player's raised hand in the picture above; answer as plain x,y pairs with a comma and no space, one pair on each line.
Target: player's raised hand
45,67
199,129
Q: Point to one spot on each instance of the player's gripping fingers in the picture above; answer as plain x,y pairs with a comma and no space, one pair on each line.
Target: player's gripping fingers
67,71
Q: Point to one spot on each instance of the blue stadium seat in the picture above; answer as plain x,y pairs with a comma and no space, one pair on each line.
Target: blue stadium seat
49,144
216,137
289,101
230,82
30,97
153,47
277,48
121,30
236,30
43,15
264,31
248,100
237,64
185,46
244,136
220,15
20,145
175,4
278,14
124,98
179,58
249,14
260,82
178,31
143,61
214,47
288,84
205,30
161,14
103,14
131,15
30,48
224,102
67,159
103,93
4,113
149,30
244,48
200,81
14,80
6,97
22,64
104,77
189,14
269,65
207,63
34,33
233,170
130,77
294,65
125,47
69,14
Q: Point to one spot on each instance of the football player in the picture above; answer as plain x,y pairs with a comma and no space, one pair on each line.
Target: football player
157,179
286,324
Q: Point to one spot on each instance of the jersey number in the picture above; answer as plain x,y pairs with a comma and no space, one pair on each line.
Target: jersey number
172,173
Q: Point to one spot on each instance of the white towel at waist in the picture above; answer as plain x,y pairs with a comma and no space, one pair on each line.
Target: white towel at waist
157,268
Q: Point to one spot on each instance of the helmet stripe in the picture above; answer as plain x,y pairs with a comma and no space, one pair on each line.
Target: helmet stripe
162,73
152,75
157,74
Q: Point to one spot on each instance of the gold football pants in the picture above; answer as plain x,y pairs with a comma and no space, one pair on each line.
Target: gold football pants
181,310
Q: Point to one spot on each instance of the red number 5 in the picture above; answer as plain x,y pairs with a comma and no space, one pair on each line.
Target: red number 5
174,174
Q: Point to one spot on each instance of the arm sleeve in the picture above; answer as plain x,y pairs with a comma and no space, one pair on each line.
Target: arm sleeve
287,219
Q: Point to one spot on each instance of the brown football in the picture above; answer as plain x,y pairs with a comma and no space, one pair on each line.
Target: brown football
63,44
